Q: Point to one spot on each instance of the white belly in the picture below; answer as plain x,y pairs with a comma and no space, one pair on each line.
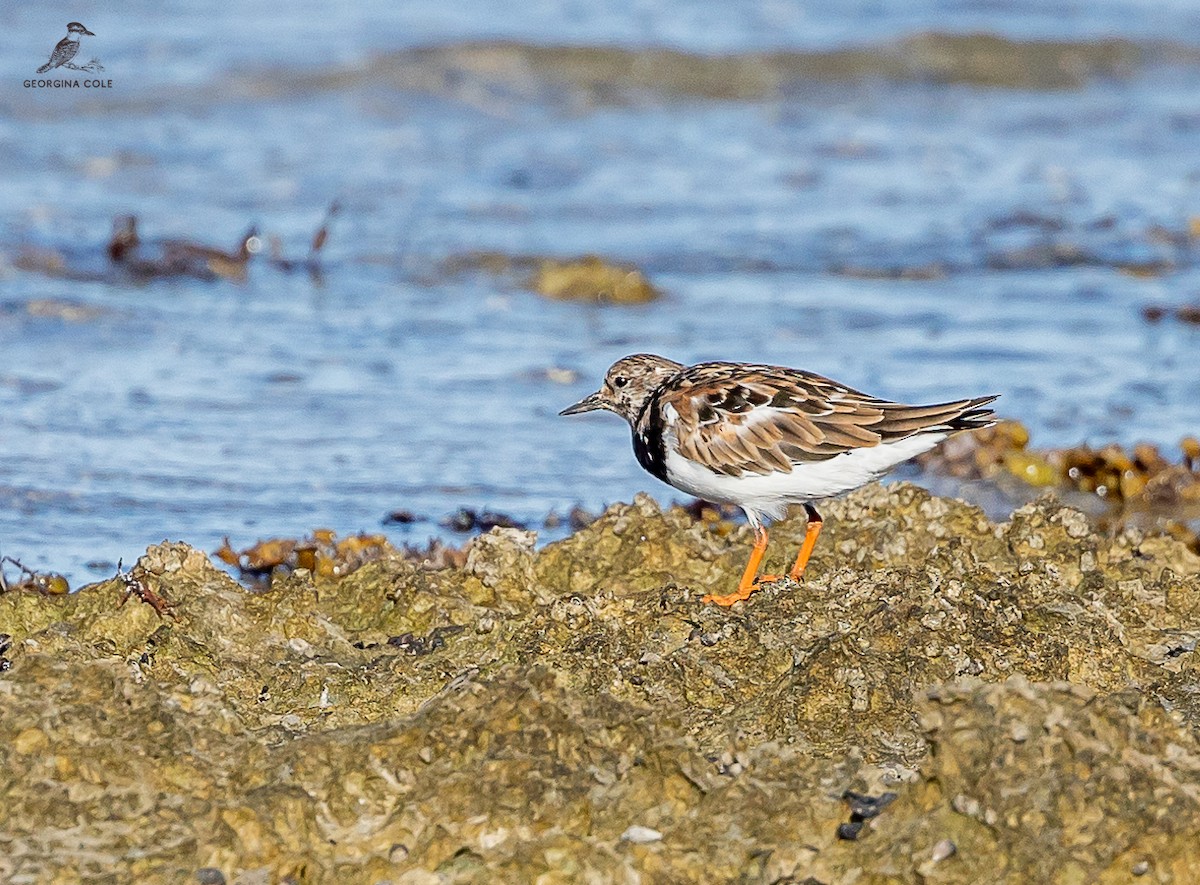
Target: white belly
768,495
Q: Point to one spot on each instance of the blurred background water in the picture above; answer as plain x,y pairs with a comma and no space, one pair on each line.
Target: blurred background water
910,219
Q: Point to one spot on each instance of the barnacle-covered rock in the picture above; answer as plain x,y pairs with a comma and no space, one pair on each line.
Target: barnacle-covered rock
942,698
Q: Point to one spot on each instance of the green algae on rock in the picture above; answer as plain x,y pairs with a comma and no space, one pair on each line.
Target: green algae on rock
591,278
587,278
486,72
1028,690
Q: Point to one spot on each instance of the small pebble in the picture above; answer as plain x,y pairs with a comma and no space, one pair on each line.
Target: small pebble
849,831
640,835
210,876
944,849
301,647
398,853
965,805
1141,868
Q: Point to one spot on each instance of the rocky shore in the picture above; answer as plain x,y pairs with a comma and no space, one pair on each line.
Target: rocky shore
944,699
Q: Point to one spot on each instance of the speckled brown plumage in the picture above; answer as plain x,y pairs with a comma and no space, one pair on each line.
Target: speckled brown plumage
764,437
737,418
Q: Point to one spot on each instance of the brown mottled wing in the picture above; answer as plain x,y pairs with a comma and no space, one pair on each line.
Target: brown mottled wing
735,419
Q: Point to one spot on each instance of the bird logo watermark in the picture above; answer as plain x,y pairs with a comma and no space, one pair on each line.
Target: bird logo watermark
66,57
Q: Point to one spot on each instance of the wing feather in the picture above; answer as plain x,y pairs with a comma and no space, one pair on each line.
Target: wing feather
735,418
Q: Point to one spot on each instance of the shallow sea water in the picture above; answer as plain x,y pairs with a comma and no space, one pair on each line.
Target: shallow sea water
194,410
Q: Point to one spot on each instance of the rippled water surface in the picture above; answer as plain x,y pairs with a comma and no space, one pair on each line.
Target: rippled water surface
923,234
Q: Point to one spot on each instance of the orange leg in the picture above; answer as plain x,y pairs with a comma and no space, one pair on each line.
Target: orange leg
810,541
751,580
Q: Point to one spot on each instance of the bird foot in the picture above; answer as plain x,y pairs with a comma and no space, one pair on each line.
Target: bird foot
741,592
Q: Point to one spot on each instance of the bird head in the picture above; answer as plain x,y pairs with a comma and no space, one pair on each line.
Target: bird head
627,385
77,28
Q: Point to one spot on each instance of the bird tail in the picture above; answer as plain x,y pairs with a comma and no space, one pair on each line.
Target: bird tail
901,422
43,68
974,415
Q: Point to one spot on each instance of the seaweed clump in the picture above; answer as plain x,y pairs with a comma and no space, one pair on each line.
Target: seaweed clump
1136,485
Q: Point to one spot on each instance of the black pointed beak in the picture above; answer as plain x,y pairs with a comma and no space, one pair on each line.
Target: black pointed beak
89,33
589,403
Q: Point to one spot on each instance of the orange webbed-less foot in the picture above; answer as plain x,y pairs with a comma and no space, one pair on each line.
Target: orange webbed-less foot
751,580
742,592
810,541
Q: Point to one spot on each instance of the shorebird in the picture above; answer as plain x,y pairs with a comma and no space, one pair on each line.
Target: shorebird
174,257
763,437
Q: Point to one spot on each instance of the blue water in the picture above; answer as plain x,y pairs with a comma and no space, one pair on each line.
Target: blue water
194,410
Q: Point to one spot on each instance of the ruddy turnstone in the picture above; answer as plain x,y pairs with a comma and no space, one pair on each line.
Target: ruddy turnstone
763,437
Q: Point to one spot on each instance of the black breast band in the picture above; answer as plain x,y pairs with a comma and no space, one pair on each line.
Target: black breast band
648,443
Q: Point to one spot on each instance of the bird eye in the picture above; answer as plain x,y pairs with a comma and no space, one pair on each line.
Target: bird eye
620,381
